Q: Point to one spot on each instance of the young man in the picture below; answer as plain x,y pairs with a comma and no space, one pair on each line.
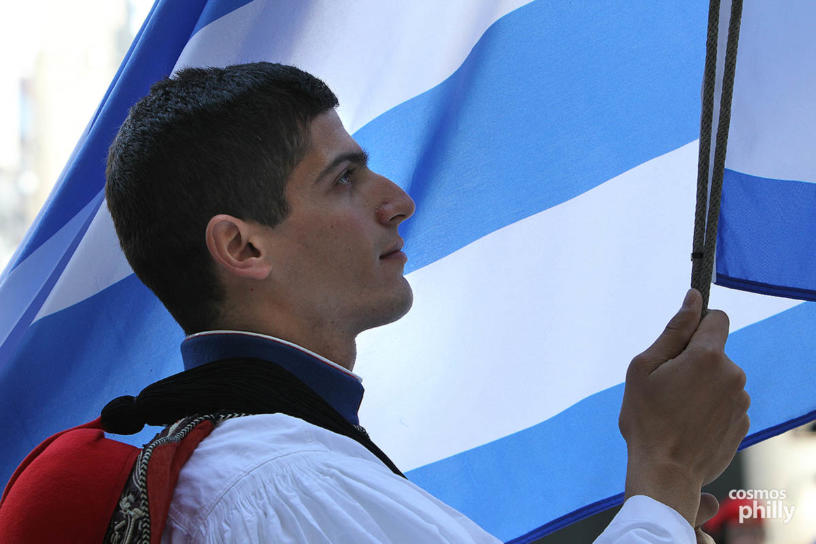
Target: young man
242,202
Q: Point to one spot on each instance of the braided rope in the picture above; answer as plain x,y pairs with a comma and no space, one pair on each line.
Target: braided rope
705,227
703,160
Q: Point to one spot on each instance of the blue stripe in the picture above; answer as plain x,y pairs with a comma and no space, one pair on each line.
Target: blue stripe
150,58
581,448
767,236
517,472
71,363
554,99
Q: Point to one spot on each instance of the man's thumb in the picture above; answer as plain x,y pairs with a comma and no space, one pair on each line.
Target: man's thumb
678,332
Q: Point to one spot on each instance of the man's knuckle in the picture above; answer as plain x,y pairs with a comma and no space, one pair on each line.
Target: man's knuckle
637,364
740,379
744,401
745,425
732,376
623,425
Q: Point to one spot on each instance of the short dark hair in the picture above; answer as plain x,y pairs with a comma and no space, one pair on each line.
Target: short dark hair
203,142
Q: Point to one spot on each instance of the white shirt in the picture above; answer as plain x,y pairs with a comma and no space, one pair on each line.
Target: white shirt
275,478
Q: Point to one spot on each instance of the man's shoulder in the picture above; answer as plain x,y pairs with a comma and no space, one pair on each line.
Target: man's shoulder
274,450
265,475
245,442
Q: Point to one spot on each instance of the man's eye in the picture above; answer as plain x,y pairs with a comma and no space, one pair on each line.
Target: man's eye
345,179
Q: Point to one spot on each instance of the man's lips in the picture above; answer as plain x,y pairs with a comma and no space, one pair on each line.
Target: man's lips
394,251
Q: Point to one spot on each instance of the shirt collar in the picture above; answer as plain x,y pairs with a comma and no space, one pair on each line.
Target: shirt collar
339,387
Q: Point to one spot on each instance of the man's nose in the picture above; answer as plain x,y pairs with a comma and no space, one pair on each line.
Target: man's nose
396,205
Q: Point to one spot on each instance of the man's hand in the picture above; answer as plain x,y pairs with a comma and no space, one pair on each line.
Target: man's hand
684,410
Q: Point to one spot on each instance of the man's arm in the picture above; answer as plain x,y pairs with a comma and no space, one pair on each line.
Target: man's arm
684,410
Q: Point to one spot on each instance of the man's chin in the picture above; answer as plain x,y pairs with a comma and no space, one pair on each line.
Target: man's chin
394,309
407,302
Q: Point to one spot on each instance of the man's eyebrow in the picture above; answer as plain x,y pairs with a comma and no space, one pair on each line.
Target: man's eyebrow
359,158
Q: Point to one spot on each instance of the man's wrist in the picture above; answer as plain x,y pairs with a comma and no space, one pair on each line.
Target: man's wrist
668,482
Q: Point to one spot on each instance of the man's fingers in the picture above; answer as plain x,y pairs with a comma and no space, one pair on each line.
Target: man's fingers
713,330
678,332
708,508
703,538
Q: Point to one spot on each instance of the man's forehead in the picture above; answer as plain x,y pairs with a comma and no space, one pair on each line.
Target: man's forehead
328,139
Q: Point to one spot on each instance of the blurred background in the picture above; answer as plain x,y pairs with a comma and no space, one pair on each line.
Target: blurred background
58,59
57,62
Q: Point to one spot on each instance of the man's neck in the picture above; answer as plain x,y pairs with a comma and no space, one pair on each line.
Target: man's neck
329,342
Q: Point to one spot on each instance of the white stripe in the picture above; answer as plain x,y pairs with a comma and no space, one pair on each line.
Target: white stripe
97,263
22,284
773,115
374,54
519,325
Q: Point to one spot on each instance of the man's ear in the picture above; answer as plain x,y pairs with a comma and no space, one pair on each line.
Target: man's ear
234,245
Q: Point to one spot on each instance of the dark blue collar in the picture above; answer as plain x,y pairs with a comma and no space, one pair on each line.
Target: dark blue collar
339,387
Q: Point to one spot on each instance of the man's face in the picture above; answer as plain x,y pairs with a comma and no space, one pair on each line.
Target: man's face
336,257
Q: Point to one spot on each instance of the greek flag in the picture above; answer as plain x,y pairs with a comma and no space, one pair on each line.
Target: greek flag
551,148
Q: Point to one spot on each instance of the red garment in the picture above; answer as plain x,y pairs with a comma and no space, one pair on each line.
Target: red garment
66,490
